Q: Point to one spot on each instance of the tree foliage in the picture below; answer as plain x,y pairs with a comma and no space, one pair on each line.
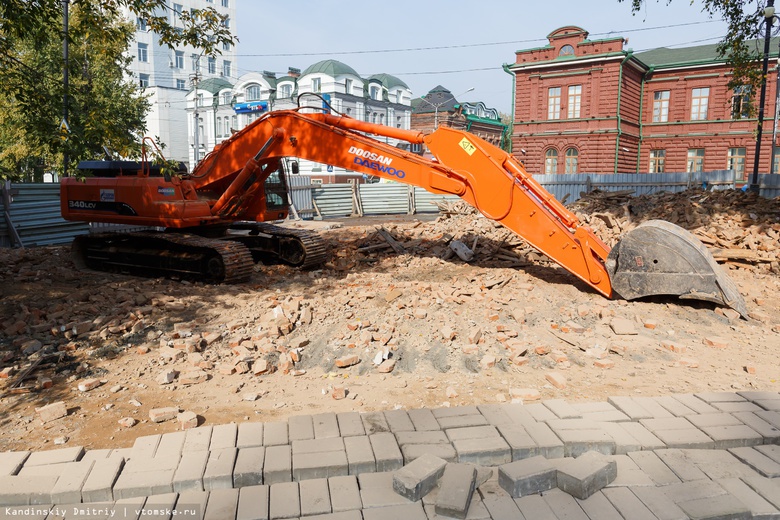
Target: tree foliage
106,107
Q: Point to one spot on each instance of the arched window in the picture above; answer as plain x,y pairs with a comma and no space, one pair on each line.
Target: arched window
566,50
572,156
253,92
551,161
285,91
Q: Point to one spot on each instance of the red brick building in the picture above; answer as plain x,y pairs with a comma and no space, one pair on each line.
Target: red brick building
593,106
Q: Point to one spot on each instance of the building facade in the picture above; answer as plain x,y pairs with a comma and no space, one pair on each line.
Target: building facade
594,106
169,74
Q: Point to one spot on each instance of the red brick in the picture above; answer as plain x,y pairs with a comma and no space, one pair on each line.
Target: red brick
339,393
526,394
89,384
604,363
386,366
750,369
556,379
716,342
187,420
52,411
674,347
158,415
347,361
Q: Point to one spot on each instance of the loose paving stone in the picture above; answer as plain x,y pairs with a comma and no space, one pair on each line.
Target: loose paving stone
629,474
222,504
673,406
443,451
189,504
521,444
720,397
658,503
47,470
455,411
758,461
250,434
315,497
284,501
522,414
17,490
197,439
189,473
319,465
278,464
643,436
126,508
376,490
423,420
768,431
326,425
586,474
405,511
528,476
738,407
726,437
694,403
496,415
563,505
678,461
693,490
718,464
350,424
422,437
253,503
562,409
163,502
630,407
146,446
93,455
624,441
171,443
417,478
534,506
758,506
653,406
546,440
487,451
146,464
629,505
301,427
59,456
219,469
654,467
275,434
386,452
473,432
399,421
11,462
598,507
318,445
769,489
722,506
577,442
360,456
67,490
99,484
456,490
145,483
773,452
344,493
685,438
248,470
374,422
461,421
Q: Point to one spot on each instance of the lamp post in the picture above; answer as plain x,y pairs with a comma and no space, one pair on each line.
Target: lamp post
769,17
437,105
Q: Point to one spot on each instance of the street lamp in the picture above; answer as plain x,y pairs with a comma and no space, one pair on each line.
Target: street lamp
769,17
437,105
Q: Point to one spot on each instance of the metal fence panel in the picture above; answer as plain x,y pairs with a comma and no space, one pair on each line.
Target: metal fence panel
424,200
300,194
333,200
770,186
384,198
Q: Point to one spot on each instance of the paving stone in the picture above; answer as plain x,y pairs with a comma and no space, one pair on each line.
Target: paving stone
694,403
350,424
190,504
656,469
160,501
197,439
386,452
486,451
189,473
360,456
724,507
773,452
758,461
720,397
624,441
521,444
611,416
318,445
495,415
693,490
405,511
319,465
681,465
222,504
399,421
690,438
253,503
528,476
667,423
344,493
629,474
586,474
563,505
250,434
34,490
47,470
219,469
643,436
562,409
326,425
461,421
759,507
477,510
726,437
145,483
146,446
455,411
126,508
772,418
673,406
98,487
769,404
146,464
754,395
443,451
744,406
301,427
374,422
376,490
654,407
714,419
343,515
60,456
472,432
521,414
499,504
769,489
770,432
418,477
315,497
275,434
93,455
534,507
171,443
598,507
456,490
67,490
248,470
577,442
284,500
278,464
422,437
546,440
629,505
630,407
658,503
423,420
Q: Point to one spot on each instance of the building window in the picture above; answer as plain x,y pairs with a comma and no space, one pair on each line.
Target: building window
657,161
554,103
566,50
181,84
226,23
316,85
226,98
285,91
225,3
212,65
143,80
219,127
551,161
348,86
740,102
225,46
374,91
141,24
194,61
695,160
699,100
253,92
177,8
143,52
736,162
226,68
234,122
572,156
199,101
661,106
575,101
179,59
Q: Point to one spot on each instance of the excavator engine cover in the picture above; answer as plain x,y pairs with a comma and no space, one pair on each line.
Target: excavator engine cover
658,257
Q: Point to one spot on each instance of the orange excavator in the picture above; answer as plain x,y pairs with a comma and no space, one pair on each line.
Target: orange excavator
216,221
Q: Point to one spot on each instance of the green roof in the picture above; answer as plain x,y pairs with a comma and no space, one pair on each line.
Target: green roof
214,85
665,57
331,68
389,81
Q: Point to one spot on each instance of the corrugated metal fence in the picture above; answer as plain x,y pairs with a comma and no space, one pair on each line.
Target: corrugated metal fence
31,212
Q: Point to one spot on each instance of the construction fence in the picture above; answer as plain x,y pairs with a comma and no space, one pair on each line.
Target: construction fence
31,212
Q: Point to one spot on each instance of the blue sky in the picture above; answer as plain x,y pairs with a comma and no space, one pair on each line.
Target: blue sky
456,43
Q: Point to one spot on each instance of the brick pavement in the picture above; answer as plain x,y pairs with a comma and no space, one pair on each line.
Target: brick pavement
706,455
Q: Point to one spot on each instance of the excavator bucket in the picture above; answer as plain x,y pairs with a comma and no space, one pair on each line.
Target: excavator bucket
658,257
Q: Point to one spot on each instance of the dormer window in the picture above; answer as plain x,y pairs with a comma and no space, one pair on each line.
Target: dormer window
566,50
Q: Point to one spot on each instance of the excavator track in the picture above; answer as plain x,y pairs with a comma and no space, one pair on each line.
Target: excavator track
165,254
271,243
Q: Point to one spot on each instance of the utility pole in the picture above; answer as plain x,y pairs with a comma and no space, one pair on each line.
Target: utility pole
195,80
64,126
769,18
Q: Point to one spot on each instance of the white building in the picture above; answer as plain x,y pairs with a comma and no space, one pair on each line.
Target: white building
223,106
169,74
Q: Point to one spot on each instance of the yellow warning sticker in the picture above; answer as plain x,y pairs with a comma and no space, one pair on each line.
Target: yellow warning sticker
468,146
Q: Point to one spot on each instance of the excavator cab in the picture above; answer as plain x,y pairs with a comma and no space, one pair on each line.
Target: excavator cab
276,197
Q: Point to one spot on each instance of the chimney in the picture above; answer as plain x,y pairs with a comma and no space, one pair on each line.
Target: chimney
293,72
